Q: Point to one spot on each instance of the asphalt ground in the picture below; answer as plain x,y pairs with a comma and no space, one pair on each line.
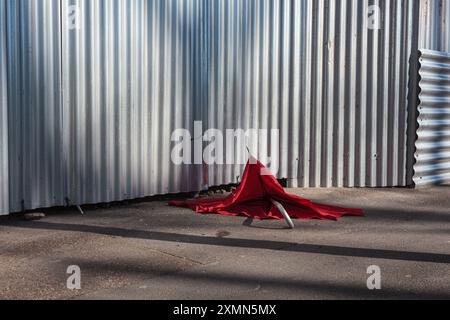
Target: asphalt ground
148,250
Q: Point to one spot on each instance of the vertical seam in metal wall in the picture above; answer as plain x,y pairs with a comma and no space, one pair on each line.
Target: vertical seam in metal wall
413,88
20,148
4,188
64,146
62,104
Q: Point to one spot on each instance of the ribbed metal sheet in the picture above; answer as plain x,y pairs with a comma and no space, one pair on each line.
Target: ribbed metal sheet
35,109
131,76
433,143
313,69
435,25
4,171
92,109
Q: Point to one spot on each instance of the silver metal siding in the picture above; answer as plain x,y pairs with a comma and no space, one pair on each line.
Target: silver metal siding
34,87
336,90
94,108
434,25
131,77
4,170
433,142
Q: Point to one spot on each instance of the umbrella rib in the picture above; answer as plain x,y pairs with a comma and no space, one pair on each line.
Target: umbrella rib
283,211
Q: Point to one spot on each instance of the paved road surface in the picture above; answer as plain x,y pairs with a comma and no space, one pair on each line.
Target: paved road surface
148,250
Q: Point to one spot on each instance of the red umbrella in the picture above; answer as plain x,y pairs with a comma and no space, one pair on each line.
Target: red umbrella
260,196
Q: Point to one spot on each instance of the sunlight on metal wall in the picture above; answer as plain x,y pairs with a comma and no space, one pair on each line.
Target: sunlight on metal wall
94,106
336,89
35,127
131,77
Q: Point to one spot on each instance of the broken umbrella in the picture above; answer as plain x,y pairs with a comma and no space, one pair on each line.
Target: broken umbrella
260,196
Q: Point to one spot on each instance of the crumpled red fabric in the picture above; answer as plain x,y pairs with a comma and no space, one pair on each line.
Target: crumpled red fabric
252,199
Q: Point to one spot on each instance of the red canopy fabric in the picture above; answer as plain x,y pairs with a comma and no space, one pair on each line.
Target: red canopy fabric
253,199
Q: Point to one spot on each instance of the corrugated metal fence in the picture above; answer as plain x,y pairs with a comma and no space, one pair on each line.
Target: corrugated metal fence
131,73
35,128
433,143
95,104
336,89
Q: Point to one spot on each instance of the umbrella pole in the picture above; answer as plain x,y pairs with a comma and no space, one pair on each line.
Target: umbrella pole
284,213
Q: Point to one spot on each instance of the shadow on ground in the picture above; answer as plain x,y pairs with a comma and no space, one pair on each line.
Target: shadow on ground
244,243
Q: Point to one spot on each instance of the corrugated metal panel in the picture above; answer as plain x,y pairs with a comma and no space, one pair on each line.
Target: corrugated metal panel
95,106
132,75
433,143
4,174
435,25
313,69
36,166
